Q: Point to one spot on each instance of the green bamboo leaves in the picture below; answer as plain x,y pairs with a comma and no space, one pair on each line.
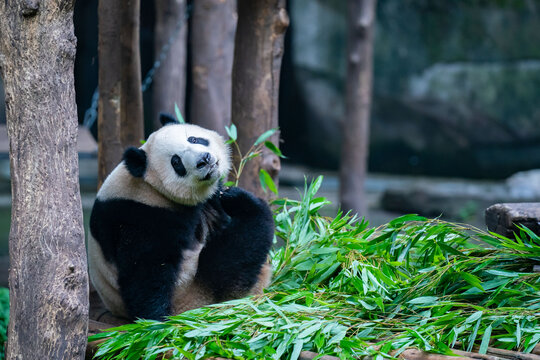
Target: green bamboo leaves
178,114
342,288
267,183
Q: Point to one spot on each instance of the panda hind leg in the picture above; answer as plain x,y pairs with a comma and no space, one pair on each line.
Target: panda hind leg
234,263
263,280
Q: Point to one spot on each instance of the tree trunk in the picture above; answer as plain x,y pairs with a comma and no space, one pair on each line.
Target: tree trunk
212,58
48,278
131,111
109,82
169,86
120,118
257,63
361,20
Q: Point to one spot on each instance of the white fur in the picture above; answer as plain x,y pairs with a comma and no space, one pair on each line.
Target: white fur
104,278
172,140
162,187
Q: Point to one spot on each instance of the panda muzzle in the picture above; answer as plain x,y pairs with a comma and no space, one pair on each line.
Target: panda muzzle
205,160
208,163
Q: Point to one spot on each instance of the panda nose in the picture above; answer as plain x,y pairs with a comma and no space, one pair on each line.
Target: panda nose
204,160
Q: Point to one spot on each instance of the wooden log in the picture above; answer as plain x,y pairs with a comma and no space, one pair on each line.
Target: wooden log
415,354
475,355
502,218
509,354
95,327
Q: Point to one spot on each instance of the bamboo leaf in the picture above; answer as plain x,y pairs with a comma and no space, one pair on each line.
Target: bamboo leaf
340,286
232,132
474,317
503,273
298,344
267,182
424,300
178,114
485,340
273,148
264,136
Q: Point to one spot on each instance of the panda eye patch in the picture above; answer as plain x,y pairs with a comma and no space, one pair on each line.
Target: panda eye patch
198,140
178,166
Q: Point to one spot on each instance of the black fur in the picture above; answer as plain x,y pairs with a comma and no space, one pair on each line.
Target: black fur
135,161
178,165
145,243
167,119
232,259
198,140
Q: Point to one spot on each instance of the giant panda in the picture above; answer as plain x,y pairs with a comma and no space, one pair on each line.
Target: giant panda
166,237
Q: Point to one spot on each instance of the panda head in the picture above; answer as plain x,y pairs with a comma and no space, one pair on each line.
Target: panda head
183,162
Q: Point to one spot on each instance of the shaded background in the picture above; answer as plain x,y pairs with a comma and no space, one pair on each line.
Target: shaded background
456,95
456,84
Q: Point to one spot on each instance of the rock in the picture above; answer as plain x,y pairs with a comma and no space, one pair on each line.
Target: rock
482,97
462,200
456,87
503,218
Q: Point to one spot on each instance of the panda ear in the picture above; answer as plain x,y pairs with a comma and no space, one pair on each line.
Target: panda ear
135,161
167,119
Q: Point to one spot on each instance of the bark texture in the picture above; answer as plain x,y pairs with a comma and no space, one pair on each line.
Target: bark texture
257,64
48,278
120,116
169,86
131,111
504,218
212,59
355,147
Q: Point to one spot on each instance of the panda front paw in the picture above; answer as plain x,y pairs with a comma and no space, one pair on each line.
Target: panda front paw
235,201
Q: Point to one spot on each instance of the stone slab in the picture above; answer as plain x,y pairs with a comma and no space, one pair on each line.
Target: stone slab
502,218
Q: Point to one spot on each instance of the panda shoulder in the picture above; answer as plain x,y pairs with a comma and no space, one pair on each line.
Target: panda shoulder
121,185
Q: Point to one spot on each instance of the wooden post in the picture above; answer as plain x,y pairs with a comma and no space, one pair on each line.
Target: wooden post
361,21
131,110
120,118
109,55
48,278
212,58
256,68
169,85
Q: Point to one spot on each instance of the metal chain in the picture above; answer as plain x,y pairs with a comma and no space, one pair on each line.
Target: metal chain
90,115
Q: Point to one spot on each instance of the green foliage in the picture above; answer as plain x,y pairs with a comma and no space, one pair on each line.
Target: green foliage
253,152
344,289
4,318
179,116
